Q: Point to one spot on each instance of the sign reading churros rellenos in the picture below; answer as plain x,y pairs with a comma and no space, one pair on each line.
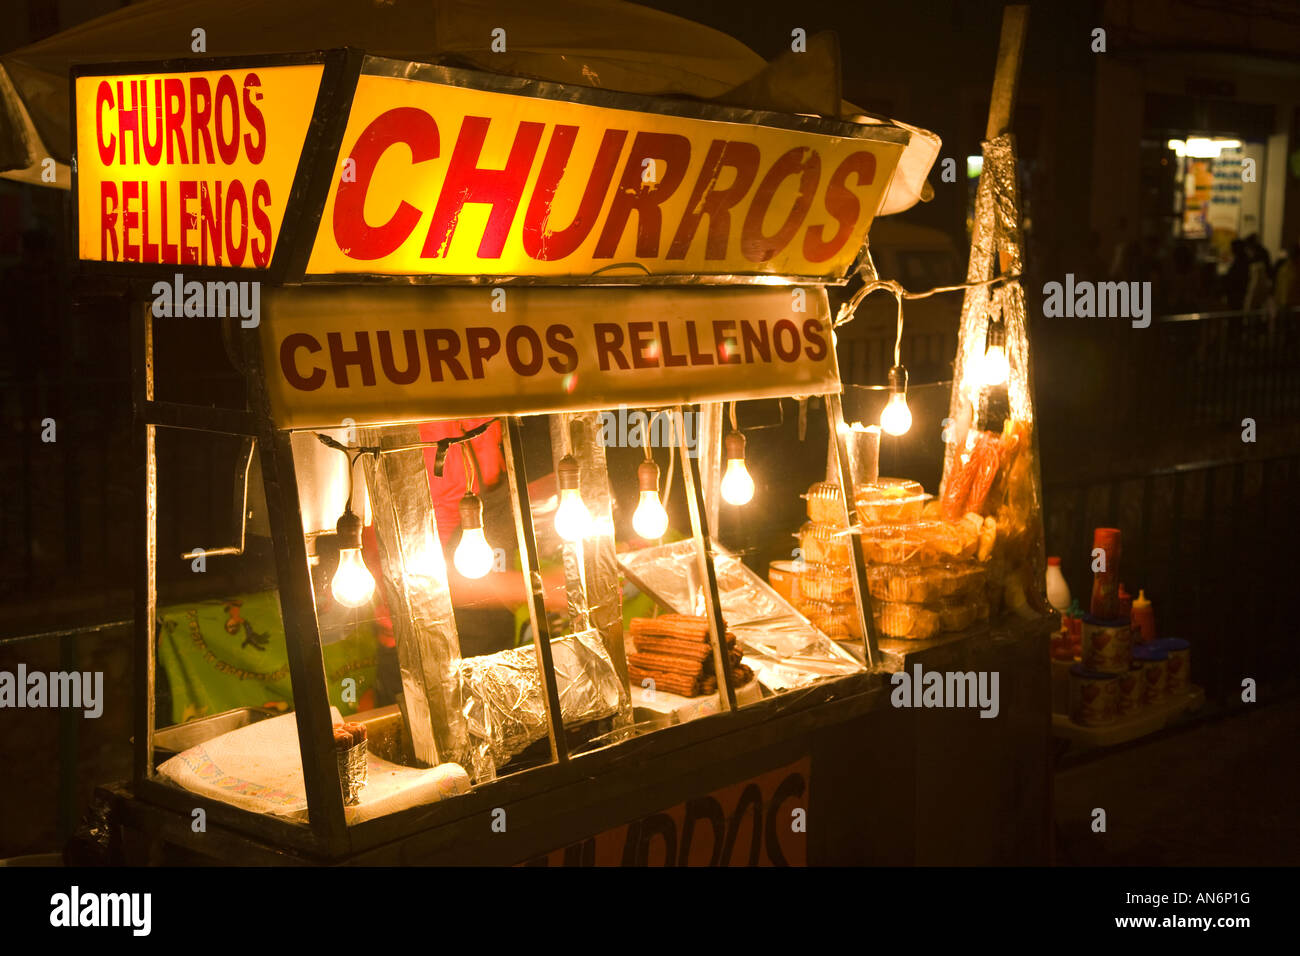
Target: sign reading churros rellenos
189,169
404,354
379,168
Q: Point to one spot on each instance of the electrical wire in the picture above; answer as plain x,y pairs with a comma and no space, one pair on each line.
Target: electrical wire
848,309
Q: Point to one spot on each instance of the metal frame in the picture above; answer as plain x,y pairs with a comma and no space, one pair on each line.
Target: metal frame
328,832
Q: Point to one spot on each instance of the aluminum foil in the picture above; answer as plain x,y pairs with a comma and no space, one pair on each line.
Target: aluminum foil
595,595
709,444
505,703
354,771
997,233
415,582
780,645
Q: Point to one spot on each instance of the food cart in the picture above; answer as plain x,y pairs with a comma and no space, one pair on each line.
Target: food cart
432,267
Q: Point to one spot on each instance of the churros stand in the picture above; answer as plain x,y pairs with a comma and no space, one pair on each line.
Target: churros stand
388,245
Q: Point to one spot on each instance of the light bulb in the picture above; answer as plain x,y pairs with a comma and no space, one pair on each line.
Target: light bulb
737,486
995,368
650,520
353,584
896,419
473,557
572,519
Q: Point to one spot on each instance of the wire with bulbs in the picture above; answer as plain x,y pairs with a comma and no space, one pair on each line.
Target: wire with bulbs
994,369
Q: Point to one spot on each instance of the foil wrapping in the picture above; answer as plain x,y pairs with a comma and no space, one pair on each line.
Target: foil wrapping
415,582
353,772
779,644
996,239
505,702
592,585
709,446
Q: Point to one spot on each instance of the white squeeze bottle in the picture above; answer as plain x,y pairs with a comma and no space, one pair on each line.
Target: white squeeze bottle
1058,592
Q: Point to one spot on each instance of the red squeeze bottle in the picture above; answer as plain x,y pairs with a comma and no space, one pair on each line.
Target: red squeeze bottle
1105,584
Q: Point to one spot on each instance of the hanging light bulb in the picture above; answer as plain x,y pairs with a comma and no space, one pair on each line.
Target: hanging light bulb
896,419
353,584
995,369
572,519
649,520
473,557
737,486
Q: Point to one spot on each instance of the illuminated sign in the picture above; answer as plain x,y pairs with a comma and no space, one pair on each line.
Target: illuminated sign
189,168
448,175
440,179
404,354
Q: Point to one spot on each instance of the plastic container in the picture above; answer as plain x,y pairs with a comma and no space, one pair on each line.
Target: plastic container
1058,592
899,544
1094,696
1132,689
826,582
1143,619
890,501
1154,672
912,622
823,501
1179,666
833,620
824,544
1107,644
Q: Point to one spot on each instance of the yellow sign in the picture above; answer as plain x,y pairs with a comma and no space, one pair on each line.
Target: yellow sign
189,168
389,355
439,179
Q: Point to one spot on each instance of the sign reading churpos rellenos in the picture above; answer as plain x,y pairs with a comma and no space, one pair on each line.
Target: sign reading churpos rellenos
444,173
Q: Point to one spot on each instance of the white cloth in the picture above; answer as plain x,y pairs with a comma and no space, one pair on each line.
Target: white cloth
259,768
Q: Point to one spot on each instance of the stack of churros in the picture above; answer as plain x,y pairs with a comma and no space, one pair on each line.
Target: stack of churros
673,651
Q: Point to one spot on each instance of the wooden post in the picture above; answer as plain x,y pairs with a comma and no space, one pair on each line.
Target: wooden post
1015,25
1006,80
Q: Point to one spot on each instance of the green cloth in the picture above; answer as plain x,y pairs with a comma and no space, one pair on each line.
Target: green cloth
222,654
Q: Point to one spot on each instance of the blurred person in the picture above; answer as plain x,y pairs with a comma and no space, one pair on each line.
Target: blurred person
1237,277
1185,287
1259,282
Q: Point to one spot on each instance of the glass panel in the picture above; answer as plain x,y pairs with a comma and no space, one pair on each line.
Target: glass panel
224,708
425,556
783,558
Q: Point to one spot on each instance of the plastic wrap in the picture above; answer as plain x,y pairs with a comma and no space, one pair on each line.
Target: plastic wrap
505,703
1013,494
889,501
780,645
